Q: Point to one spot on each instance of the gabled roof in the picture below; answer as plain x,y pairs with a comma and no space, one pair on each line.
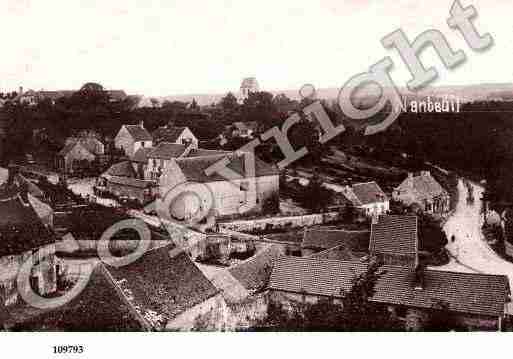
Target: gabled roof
322,239
168,133
138,133
141,155
471,293
167,150
163,284
394,234
254,273
121,169
70,146
194,168
422,187
21,228
367,193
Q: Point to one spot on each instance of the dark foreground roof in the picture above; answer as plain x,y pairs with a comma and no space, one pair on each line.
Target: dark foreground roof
99,308
394,235
162,284
471,293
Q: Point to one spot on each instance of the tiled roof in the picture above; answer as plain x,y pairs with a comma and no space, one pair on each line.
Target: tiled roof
21,227
341,253
163,282
194,168
314,276
167,150
168,133
325,239
471,293
121,169
394,235
368,193
254,273
141,155
423,187
138,133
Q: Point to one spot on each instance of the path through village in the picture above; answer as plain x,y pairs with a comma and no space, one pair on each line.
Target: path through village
469,251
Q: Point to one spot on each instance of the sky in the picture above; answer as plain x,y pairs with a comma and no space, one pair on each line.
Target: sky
159,48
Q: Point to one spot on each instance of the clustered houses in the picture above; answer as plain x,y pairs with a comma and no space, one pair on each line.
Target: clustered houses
424,191
25,225
368,198
409,291
155,161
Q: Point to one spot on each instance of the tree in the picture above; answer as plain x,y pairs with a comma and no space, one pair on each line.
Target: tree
315,196
154,102
229,102
194,105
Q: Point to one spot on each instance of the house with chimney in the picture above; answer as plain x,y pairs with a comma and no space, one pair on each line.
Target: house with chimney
471,300
131,138
368,198
424,191
26,236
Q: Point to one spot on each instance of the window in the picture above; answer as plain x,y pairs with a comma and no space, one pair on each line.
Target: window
142,144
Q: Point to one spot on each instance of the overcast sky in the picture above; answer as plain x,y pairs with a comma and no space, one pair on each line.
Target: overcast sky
203,46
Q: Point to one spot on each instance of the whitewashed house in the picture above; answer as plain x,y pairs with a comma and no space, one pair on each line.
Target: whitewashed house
225,196
131,138
175,134
369,198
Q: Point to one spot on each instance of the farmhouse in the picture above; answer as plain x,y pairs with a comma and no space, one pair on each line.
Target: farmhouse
424,191
74,152
122,180
368,197
131,138
226,196
474,300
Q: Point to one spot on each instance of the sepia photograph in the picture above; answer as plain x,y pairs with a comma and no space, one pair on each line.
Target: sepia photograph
224,167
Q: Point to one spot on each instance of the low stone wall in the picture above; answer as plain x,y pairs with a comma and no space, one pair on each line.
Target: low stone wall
273,223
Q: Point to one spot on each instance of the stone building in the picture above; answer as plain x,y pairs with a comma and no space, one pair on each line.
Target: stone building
224,195
424,191
248,85
368,198
131,138
472,300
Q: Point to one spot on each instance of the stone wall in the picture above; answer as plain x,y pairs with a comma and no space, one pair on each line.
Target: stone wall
273,223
